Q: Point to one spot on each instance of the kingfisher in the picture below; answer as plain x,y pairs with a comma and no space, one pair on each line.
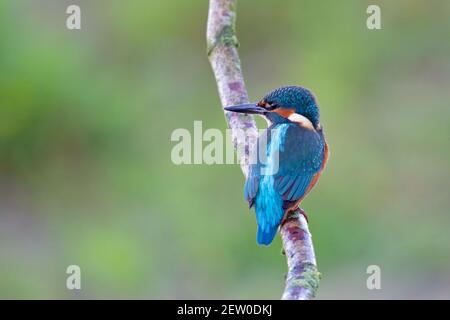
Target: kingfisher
296,153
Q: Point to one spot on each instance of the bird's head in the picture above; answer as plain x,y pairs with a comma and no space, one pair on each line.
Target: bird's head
284,104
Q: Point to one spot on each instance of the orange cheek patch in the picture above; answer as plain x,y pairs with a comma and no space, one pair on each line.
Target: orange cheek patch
284,112
262,103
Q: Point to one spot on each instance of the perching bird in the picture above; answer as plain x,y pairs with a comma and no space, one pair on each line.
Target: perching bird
296,153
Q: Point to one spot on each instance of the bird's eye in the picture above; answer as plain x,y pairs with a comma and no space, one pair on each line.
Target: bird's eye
268,105
271,106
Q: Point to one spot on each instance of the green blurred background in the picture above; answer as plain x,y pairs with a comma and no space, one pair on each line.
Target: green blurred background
86,176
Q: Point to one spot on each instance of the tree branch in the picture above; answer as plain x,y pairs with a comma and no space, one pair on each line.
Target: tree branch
302,279
222,43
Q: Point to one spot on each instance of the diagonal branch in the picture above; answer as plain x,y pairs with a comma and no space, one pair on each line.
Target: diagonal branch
222,52
302,279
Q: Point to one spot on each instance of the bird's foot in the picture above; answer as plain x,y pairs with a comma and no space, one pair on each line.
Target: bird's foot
303,213
293,215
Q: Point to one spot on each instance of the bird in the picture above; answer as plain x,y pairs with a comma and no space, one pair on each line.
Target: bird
296,153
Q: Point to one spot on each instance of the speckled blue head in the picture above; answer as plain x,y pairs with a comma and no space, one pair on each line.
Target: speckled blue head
298,99
280,103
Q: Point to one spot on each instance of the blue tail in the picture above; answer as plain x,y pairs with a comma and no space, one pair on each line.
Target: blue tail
265,237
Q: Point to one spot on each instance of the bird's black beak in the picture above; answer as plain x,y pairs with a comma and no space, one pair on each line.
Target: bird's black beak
251,108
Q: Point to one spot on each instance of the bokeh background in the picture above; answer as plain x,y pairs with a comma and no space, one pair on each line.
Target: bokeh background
86,176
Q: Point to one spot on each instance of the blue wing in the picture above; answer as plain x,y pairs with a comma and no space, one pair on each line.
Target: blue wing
300,160
300,153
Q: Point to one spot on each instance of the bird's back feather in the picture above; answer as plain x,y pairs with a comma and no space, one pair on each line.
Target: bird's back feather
273,187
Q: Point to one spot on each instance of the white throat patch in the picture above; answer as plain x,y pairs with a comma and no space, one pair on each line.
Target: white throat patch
301,120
